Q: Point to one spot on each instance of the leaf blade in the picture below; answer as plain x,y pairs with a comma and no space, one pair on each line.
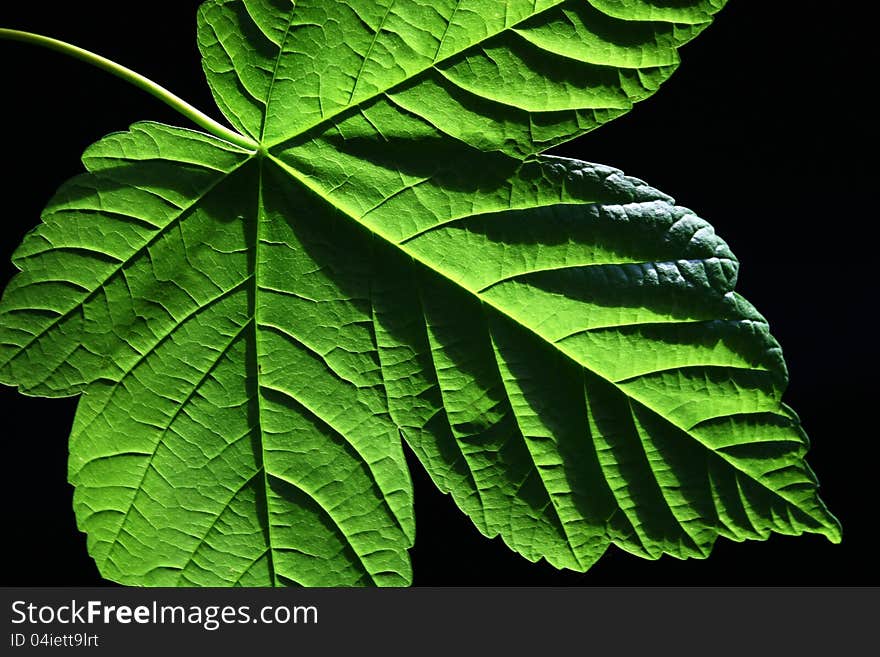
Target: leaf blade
269,68
197,458
691,293
560,345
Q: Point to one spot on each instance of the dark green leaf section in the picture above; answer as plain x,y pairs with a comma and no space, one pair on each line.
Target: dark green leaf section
517,76
607,387
231,433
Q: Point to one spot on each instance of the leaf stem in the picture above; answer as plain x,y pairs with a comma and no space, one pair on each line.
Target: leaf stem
175,102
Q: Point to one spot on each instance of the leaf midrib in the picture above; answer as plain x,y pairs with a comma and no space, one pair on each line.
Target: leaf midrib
258,240
258,325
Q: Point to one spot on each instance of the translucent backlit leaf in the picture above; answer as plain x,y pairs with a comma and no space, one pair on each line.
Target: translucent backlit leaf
255,333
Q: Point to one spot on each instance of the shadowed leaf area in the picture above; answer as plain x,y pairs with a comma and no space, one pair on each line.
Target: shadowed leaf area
255,336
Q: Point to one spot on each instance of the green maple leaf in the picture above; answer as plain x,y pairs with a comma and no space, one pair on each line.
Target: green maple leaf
256,320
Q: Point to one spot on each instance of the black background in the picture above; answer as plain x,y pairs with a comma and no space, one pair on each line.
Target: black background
764,131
